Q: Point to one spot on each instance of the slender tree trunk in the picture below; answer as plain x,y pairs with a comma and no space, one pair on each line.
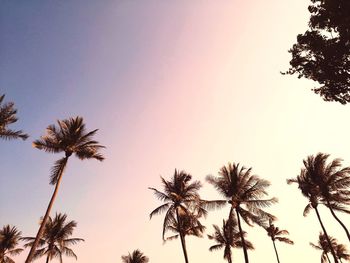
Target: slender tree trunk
183,243
340,222
229,259
47,214
274,246
327,237
329,261
242,238
47,259
340,260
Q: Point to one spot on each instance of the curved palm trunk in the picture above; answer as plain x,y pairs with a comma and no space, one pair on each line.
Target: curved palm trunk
339,221
327,237
183,243
43,223
242,238
274,246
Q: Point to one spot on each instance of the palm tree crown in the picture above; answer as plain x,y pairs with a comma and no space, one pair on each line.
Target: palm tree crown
180,196
188,225
136,257
56,239
244,192
70,137
275,233
323,244
181,200
9,238
7,117
228,237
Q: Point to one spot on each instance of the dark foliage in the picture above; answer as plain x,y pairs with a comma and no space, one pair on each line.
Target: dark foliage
322,53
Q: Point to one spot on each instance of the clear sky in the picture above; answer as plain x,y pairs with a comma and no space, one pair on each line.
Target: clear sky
180,84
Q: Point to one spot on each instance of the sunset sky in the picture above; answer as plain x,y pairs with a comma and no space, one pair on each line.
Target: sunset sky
170,84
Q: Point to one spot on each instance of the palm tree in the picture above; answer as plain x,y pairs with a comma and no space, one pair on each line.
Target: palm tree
70,137
313,182
189,226
325,246
56,239
9,238
180,197
7,117
136,257
333,183
275,234
245,193
228,237
342,252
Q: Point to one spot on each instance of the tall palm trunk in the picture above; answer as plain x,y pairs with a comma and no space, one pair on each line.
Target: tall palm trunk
47,259
242,238
227,253
183,243
274,246
339,221
47,214
327,237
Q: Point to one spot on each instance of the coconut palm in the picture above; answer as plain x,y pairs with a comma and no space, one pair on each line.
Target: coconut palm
189,226
317,182
333,183
56,239
9,238
228,237
324,246
69,137
342,252
276,235
136,257
7,117
180,197
244,192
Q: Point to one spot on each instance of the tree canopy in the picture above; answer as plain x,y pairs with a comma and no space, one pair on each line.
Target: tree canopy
322,53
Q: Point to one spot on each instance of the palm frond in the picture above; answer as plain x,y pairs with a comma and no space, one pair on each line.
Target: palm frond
57,170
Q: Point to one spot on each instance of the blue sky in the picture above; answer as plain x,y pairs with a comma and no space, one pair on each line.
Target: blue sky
169,84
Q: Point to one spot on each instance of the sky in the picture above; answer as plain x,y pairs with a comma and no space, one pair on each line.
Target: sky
190,85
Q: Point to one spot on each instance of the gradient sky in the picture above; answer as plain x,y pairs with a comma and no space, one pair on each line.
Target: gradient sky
180,84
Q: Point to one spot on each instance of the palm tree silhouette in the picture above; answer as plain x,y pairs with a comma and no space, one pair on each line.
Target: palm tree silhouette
332,181
180,197
342,252
325,246
311,191
56,239
228,237
244,192
7,117
189,226
70,137
9,238
275,234
136,257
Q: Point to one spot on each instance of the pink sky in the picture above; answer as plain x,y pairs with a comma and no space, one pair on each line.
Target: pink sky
191,85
